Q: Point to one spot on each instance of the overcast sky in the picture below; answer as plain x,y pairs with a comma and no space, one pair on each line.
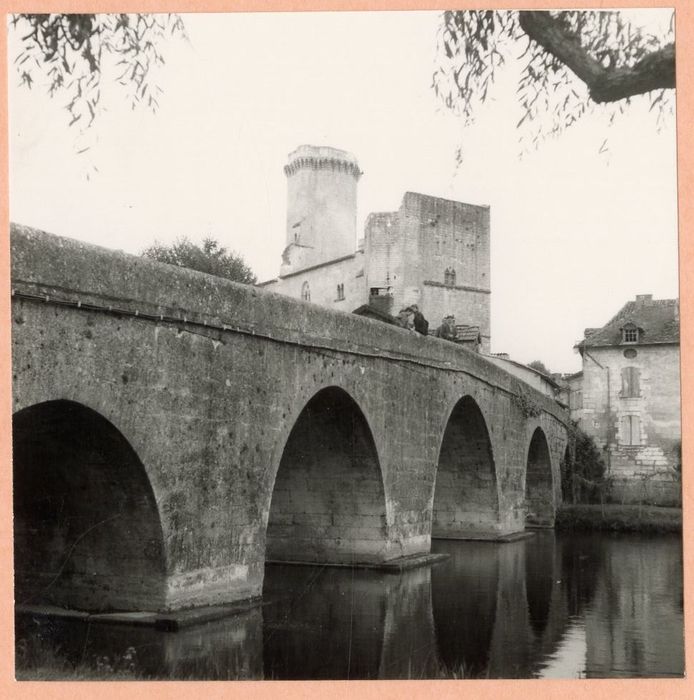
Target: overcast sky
578,228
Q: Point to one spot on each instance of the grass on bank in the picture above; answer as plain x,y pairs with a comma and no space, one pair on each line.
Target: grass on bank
619,518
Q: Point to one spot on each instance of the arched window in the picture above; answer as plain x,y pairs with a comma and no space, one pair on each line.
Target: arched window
305,292
340,292
449,277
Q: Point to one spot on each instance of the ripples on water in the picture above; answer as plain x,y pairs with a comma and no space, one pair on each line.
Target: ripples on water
561,606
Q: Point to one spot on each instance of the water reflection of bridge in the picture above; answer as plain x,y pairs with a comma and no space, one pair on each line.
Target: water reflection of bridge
500,611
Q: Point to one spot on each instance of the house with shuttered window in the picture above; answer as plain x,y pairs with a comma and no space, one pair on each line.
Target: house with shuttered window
630,399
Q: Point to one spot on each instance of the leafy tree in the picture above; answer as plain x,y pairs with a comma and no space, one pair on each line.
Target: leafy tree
72,53
571,61
539,366
209,257
583,471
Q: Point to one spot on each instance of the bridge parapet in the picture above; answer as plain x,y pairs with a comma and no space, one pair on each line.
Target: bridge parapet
64,269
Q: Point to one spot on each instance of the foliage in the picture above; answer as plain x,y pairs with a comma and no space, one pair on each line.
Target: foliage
209,257
583,471
539,366
619,518
39,658
574,60
528,406
72,53
676,456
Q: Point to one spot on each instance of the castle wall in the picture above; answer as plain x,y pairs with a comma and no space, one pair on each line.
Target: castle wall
322,283
410,251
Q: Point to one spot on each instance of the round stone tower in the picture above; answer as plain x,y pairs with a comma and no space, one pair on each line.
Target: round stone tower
321,206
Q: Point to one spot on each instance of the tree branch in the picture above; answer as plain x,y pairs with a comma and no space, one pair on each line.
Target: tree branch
655,71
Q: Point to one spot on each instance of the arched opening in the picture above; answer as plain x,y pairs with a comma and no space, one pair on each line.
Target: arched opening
539,491
328,504
87,533
465,497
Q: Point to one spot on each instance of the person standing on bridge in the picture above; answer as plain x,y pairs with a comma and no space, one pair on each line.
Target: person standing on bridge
447,329
421,325
405,319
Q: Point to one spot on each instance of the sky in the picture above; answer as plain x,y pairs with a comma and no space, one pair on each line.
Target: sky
579,226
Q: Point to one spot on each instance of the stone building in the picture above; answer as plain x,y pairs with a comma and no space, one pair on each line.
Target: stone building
630,399
432,252
540,381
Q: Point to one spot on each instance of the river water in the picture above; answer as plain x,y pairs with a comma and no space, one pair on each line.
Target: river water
560,605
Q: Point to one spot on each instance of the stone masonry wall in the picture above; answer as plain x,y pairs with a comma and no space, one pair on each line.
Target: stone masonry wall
206,379
322,283
648,470
441,234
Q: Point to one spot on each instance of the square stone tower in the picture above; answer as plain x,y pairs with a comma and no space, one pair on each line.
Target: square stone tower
435,253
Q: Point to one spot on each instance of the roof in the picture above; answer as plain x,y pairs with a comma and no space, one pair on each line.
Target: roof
658,319
467,333
503,357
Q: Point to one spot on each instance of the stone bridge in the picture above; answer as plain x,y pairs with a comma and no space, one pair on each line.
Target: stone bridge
172,431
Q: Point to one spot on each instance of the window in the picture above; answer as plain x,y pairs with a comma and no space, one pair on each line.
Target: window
305,292
449,277
630,430
630,382
340,292
630,333
576,400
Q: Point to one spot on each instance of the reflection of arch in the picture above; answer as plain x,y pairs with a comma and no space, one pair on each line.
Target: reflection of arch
328,502
539,491
464,599
297,642
540,579
87,528
465,495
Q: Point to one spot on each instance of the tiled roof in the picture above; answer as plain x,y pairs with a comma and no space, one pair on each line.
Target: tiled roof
657,319
467,333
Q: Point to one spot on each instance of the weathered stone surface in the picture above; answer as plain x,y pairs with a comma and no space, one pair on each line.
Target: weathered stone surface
203,382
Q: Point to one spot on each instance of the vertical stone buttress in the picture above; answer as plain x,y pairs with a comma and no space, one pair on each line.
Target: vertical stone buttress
321,206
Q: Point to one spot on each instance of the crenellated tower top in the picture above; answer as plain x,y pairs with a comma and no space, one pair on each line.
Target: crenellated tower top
322,158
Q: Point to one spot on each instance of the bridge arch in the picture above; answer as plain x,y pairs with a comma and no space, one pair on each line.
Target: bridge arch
87,529
465,487
539,483
328,500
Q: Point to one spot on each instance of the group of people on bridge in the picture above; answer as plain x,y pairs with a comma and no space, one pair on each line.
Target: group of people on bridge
413,319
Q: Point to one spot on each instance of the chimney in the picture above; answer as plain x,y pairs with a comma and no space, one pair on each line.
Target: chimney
641,299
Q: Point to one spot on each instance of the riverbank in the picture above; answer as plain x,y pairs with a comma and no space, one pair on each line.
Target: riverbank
619,518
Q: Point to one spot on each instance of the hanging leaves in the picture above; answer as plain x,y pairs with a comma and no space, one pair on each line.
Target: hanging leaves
473,45
72,53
